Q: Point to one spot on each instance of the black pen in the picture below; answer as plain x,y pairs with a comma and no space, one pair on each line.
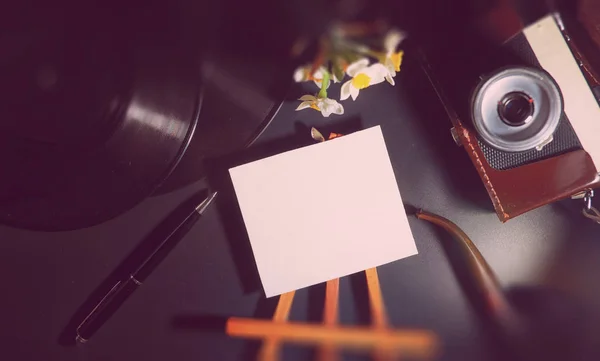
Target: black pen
125,287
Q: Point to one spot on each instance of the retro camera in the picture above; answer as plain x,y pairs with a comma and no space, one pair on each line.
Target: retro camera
525,111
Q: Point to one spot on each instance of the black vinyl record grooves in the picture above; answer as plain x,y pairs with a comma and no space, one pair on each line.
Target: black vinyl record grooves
104,104
97,105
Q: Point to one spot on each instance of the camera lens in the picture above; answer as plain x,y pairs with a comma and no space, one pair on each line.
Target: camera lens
515,108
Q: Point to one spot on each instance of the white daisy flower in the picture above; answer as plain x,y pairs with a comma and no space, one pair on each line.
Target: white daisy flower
325,105
363,76
392,58
303,74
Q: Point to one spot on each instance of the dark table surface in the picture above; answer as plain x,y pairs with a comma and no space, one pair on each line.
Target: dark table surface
46,277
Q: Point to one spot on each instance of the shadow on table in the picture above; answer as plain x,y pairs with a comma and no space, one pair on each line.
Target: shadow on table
134,260
552,323
459,261
435,125
266,309
565,306
218,324
226,202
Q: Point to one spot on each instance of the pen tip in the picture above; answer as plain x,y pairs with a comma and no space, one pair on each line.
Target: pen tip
80,339
206,202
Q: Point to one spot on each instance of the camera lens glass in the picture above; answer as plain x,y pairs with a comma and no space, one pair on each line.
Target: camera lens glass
515,108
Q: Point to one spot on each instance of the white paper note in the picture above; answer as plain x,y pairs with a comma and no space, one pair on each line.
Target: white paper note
322,212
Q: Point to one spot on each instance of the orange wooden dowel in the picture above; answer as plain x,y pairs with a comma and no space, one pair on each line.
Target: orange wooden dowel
419,343
330,312
379,317
329,352
282,312
378,313
269,350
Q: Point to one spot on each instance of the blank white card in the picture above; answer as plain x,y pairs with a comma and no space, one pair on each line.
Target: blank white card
323,211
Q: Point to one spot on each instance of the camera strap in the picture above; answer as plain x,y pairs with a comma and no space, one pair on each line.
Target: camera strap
589,211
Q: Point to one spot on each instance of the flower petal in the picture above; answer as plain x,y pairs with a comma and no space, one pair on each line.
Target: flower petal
390,79
376,68
304,105
316,135
354,92
324,106
319,82
389,64
319,72
345,91
377,72
326,112
338,109
308,97
318,76
357,66
300,74
378,80
392,39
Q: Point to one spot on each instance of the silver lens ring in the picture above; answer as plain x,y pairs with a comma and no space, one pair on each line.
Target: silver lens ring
517,109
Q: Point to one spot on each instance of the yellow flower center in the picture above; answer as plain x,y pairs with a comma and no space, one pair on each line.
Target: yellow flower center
315,107
397,60
361,81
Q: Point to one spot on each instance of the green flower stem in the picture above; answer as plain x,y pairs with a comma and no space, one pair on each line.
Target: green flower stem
324,85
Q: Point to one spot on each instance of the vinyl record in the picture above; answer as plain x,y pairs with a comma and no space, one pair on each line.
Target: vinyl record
98,104
246,72
235,111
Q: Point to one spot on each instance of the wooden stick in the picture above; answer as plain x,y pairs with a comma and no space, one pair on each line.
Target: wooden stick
378,313
330,312
284,306
329,352
419,343
269,350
